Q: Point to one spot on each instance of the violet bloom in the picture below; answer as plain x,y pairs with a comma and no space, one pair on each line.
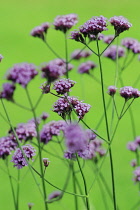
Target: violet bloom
133,163
64,106
65,22
51,129
90,134
18,157
112,90
63,86
94,26
46,161
77,36
8,91
54,69
93,37
129,43
128,92
132,146
22,73
45,87
137,140
137,174
44,116
86,67
136,48
7,144
75,138
1,57
26,131
69,155
113,51
40,31
120,24
88,153
54,194
108,39
77,54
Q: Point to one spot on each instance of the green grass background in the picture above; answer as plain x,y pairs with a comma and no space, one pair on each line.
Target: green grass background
17,18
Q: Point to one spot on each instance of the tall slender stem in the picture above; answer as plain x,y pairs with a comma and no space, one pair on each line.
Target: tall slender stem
74,186
66,55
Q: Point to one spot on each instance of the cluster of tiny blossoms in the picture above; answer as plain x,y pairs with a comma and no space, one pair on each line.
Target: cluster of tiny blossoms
63,85
40,31
86,67
78,54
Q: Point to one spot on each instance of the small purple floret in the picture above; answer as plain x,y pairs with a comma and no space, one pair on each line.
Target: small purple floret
113,51
8,91
63,86
112,90
86,67
7,144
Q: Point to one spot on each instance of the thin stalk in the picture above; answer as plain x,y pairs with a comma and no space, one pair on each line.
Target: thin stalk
39,148
84,181
108,45
74,186
107,128
38,101
80,190
21,106
66,56
90,49
18,187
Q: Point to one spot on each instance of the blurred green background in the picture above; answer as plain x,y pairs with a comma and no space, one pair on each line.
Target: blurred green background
16,45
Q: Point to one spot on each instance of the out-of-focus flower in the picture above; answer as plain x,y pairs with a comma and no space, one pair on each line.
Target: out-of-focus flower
112,90
90,134
108,39
45,88
7,144
120,24
137,174
113,51
65,22
128,92
1,57
40,31
86,67
133,163
44,116
22,73
63,86
18,157
132,146
54,194
77,54
8,91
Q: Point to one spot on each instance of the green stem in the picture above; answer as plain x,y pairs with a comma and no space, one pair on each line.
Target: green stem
74,185
18,185
84,181
66,55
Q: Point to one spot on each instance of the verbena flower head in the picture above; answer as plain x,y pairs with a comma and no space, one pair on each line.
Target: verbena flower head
112,90
22,73
51,129
132,146
1,57
76,139
54,69
114,50
40,31
129,43
69,155
64,106
77,54
18,157
8,91
26,131
46,162
94,26
128,92
54,194
90,134
65,22
136,48
86,67
63,86
108,39
44,116
77,36
120,24
133,163
137,174
7,144
45,87
137,140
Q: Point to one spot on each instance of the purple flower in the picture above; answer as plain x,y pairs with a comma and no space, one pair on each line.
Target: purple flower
45,26
93,37
64,106
1,57
75,138
22,73
26,131
46,162
136,48
137,174
88,153
44,116
65,22
120,24
77,36
18,157
45,87
137,140
129,43
54,69
94,26
69,155
39,31
108,39
51,129
113,51
132,146
8,91
128,92
54,194
90,134
133,163
112,90
7,144
63,86
77,54
86,67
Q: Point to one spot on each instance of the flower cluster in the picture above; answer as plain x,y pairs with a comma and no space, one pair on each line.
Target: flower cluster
108,39
22,73
8,91
78,54
112,90
113,51
120,24
18,158
7,144
63,86
40,31
51,129
65,22
128,92
134,145
86,67
54,69
64,106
